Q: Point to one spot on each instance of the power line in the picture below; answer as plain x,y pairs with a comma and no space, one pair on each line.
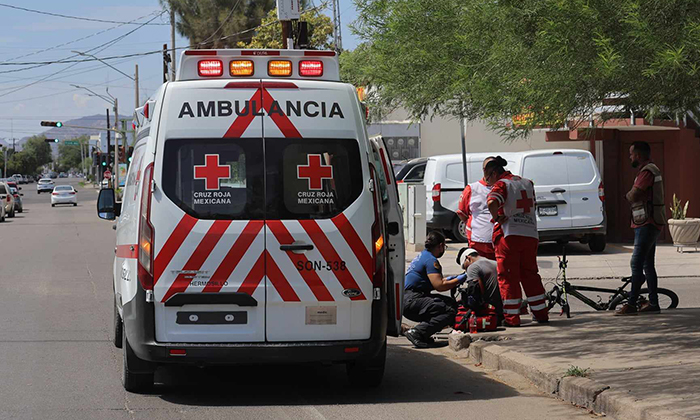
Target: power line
75,17
100,48
75,40
222,23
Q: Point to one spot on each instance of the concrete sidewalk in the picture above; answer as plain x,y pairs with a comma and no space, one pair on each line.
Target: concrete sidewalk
641,367
614,262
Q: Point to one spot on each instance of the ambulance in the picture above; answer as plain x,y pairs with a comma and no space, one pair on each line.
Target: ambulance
258,223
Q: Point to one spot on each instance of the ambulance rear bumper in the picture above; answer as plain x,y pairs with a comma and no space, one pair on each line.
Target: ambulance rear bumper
139,324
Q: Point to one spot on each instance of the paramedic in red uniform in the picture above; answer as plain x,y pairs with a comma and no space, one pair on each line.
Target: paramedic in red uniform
473,210
511,203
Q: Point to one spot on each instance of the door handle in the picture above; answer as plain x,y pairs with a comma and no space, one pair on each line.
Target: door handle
558,190
297,247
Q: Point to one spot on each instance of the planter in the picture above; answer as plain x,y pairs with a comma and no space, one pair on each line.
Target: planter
684,232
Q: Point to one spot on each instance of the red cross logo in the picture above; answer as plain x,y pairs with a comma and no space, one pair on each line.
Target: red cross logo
524,202
212,172
315,172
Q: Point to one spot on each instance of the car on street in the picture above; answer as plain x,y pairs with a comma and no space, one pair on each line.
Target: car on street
19,178
64,194
7,199
19,208
412,171
44,185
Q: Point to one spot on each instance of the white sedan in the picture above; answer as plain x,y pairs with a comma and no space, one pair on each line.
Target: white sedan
64,194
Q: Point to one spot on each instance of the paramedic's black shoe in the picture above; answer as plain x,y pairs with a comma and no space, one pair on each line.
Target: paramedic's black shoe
416,339
648,308
626,309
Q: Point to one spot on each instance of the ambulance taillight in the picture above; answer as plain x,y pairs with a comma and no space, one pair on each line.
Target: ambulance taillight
241,68
146,233
377,236
279,68
311,68
210,68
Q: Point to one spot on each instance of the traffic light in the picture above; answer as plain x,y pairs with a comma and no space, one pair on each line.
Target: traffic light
96,158
51,140
51,124
103,160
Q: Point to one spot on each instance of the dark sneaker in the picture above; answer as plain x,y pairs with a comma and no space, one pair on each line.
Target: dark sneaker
648,308
416,339
626,309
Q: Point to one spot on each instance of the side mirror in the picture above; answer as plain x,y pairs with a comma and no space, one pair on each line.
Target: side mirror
107,204
393,228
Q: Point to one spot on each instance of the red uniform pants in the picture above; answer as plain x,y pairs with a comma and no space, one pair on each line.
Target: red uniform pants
517,265
484,249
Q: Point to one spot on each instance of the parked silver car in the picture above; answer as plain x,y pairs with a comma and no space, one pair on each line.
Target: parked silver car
44,185
7,199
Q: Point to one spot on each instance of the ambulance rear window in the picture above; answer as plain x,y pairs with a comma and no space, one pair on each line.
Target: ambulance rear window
215,178
311,178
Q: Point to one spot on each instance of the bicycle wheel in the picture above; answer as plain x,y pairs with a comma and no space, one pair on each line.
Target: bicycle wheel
667,298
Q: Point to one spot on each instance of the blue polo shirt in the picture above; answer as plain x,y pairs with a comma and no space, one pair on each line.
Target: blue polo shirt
417,274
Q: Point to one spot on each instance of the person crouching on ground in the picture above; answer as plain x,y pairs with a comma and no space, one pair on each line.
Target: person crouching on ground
433,311
483,271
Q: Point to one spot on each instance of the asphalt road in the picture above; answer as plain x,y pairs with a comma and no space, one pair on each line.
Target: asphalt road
57,362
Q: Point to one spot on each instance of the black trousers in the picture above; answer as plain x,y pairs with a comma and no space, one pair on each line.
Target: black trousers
433,311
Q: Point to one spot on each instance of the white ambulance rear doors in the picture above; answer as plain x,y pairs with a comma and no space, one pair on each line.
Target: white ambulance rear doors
320,213
208,214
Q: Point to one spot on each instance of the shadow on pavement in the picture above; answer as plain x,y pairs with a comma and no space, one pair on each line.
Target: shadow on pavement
655,357
411,376
552,249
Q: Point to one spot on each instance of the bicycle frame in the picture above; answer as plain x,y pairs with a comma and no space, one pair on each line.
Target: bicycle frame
574,290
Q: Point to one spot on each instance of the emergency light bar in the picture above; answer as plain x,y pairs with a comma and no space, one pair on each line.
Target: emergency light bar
211,64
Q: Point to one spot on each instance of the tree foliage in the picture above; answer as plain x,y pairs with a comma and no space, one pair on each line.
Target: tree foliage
269,35
35,153
69,155
214,23
548,59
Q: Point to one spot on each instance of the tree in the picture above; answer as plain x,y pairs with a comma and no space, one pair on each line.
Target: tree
35,153
541,61
69,155
269,35
219,23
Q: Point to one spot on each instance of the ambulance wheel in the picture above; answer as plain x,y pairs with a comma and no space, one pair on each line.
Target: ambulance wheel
137,374
368,373
118,328
459,231
597,243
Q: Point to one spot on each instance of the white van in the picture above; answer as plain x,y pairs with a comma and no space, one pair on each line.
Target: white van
259,223
569,188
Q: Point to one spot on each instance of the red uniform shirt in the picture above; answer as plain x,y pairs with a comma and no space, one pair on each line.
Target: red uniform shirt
645,181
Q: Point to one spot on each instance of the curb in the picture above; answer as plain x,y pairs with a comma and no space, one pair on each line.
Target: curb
583,392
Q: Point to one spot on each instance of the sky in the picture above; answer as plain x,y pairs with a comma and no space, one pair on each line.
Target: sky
46,92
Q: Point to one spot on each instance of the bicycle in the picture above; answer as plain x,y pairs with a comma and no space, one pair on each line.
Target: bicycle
559,294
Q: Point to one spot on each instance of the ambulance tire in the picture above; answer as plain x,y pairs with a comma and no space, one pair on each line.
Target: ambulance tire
367,373
458,232
137,374
118,328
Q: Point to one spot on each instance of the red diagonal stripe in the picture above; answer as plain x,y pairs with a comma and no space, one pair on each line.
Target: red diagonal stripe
211,238
353,239
282,121
172,244
234,255
254,276
330,254
241,123
279,281
310,276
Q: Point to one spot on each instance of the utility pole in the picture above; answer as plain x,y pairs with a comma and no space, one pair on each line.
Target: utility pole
166,60
12,133
287,11
172,44
463,131
115,172
108,139
136,84
337,34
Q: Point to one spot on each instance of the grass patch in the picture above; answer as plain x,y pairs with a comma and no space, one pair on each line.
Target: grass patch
81,183
577,371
